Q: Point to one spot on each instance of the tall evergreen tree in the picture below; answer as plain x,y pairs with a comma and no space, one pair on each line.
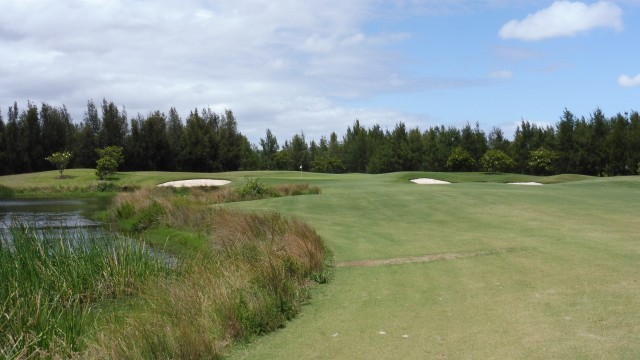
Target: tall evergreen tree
57,129
135,157
269,149
175,132
30,145
355,148
497,141
598,142
114,125
416,150
198,148
299,151
565,146
3,147
618,147
231,143
633,162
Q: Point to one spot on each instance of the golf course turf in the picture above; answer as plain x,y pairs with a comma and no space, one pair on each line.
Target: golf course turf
477,269
510,272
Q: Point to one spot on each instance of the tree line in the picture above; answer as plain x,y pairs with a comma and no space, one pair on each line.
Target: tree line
209,142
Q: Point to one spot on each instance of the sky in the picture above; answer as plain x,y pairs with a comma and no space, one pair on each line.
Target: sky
314,67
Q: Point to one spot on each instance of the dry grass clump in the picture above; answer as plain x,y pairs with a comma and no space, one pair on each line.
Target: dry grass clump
186,207
253,279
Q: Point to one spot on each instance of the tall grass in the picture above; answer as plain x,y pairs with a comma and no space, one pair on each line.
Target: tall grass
6,192
51,282
253,277
187,208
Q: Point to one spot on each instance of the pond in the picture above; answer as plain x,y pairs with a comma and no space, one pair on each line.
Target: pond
52,212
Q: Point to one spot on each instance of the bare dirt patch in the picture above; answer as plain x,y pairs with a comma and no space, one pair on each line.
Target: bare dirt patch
423,258
195,182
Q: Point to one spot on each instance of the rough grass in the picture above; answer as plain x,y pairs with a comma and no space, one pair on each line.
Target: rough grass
251,280
51,282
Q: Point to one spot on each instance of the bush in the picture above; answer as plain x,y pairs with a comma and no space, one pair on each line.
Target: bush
6,192
253,189
496,161
460,160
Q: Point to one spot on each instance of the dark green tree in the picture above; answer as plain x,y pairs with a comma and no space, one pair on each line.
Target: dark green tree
633,161
299,151
230,143
598,142
175,132
30,135
461,160
497,141
155,142
416,150
495,161
199,148
354,146
541,161
3,147
617,147
269,149
565,143
114,125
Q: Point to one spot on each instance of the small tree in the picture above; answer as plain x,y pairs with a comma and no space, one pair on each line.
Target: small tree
110,158
60,160
494,161
541,161
460,160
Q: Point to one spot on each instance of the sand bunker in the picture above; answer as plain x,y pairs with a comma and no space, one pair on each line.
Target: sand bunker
425,181
526,183
195,182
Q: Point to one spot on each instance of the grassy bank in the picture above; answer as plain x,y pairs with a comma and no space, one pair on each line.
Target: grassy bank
52,283
246,274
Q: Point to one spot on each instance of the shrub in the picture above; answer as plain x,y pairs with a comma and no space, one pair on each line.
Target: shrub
460,160
496,161
6,192
253,189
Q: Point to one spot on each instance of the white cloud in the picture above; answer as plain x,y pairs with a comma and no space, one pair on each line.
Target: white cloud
501,74
564,19
628,81
259,58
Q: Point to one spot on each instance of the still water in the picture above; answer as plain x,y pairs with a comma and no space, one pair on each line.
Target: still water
51,213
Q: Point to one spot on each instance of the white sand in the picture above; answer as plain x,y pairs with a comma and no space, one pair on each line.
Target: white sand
425,181
196,182
526,183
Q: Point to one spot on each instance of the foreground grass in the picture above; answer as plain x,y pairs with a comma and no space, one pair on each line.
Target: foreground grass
249,278
559,280
51,284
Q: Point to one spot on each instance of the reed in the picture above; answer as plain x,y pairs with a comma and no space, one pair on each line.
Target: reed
251,279
51,283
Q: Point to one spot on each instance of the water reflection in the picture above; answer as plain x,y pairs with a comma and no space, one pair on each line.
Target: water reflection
46,213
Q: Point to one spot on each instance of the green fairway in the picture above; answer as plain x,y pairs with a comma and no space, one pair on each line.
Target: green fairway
556,273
